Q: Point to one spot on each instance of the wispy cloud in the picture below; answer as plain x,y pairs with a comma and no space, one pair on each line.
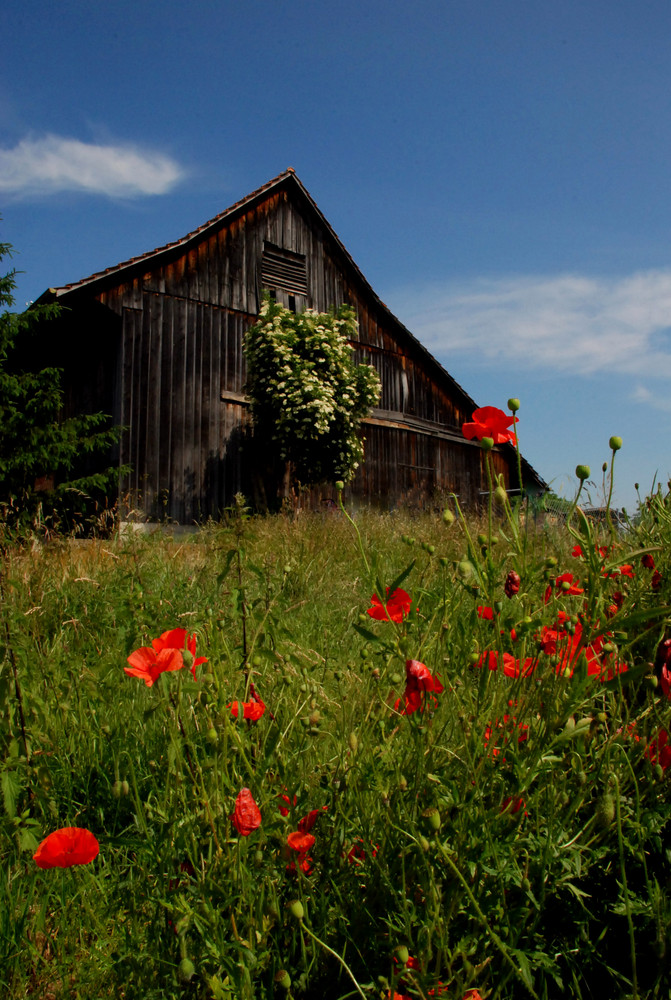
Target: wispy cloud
46,165
568,323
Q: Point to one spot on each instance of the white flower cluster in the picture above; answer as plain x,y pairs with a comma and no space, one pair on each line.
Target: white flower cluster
307,394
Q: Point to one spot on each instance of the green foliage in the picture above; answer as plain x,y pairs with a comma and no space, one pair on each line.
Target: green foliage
510,836
308,397
47,464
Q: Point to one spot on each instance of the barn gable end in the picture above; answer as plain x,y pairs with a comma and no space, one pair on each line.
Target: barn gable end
167,330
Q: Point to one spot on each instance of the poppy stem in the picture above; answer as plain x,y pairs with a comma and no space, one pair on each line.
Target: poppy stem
356,530
335,955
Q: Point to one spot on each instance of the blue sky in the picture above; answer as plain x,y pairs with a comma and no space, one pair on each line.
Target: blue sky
500,170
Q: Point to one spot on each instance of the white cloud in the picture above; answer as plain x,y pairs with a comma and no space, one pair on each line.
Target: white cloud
53,163
642,394
568,323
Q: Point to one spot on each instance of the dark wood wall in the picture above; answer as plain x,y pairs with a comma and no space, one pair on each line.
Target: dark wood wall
179,381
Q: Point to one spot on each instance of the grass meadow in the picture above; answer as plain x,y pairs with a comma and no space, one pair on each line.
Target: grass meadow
452,734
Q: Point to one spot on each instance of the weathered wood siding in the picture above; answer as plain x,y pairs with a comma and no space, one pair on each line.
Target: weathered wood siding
179,382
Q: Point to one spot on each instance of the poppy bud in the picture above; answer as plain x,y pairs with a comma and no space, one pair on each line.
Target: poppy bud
125,787
295,908
487,443
615,443
605,810
583,472
512,584
116,789
212,736
465,569
187,970
353,742
448,517
282,977
340,486
424,844
187,658
513,404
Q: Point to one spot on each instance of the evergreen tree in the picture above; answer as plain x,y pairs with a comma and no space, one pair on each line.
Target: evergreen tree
42,455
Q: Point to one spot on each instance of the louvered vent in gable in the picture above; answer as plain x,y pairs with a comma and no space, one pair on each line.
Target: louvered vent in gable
284,269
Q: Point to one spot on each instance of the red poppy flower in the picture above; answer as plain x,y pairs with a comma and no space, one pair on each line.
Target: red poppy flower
397,607
357,852
504,729
490,422
284,810
66,847
648,561
252,710
570,590
169,652
510,666
659,750
568,647
486,613
418,682
306,824
656,581
513,804
625,570
512,584
301,842
246,816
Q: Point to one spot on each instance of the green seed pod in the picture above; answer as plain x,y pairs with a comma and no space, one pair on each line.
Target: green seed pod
187,970
487,444
605,810
282,977
340,486
652,682
402,954
432,817
187,658
116,789
125,788
615,443
353,742
482,539
583,472
513,404
431,549
212,736
659,771
295,908
403,784
500,496
448,517
424,844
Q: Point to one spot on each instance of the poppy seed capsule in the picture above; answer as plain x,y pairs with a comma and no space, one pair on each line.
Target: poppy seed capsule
487,443
583,472
283,979
402,954
513,404
615,443
432,817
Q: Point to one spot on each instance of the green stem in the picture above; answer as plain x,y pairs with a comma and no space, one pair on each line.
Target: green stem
335,955
625,890
356,530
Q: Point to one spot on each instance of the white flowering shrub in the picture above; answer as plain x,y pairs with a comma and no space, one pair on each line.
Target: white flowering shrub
308,396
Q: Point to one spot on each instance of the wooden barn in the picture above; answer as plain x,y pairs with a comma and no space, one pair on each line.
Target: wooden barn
156,341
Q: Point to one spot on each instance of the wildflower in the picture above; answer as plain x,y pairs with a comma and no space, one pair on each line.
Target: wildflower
486,613
490,422
647,561
357,852
71,845
512,584
307,822
625,570
301,842
513,804
171,651
568,648
656,581
659,750
418,682
284,810
251,710
565,586
510,666
504,728
246,816
397,607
